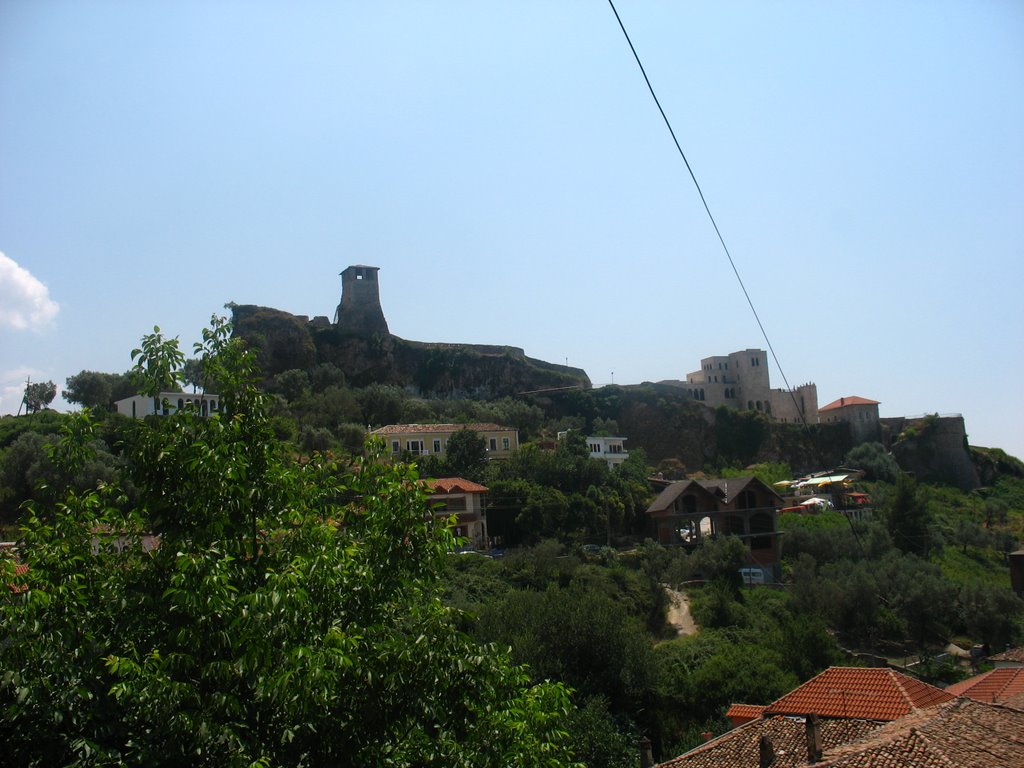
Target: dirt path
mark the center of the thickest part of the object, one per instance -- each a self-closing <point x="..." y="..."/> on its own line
<point x="679" y="612"/>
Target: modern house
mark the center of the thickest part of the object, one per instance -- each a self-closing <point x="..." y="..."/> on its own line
<point x="687" y="512"/>
<point x="610" y="450"/>
<point x="427" y="439"/>
<point x="140" y="406"/>
<point x="464" y="499"/>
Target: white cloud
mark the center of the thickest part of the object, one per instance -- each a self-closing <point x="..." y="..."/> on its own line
<point x="25" y="303"/>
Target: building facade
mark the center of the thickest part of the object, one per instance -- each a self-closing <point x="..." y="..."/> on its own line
<point x="428" y="439"/>
<point x="140" y="406"/>
<point x="859" y="412"/>
<point x="688" y="512"/>
<point x="466" y="501"/>
<point x="740" y="380"/>
<point x="611" y="450"/>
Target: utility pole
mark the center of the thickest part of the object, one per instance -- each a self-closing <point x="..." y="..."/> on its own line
<point x="24" y="396"/>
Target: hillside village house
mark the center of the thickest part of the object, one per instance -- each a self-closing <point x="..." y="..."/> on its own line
<point x="850" y="717"/>
<point x="688" y="511"/>
<point x="859" y="412"/>
<point x="610" y="450"/>
<point x="140" y="406"/>
<point x="427" y="439"/>
<point x="464" y="499"/>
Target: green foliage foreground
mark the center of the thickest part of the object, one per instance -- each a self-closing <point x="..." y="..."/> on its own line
<point x="290" y="615"/>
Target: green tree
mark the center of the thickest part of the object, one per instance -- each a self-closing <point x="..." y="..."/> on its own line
<point x="466" y="454"/>
<point x="39" y="395"/>
<point x="91" y="389"/>
<point x="876" y="462"/>
<point x="291" y="614"/>
<point x="908" y="519"/>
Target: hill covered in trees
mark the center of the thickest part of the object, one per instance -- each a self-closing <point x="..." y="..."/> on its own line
<point x="267" y="528"/>
<point x="285" y="342"/>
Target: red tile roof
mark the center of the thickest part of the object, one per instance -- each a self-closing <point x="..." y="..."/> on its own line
<point x="453" y="485"/>
<point x="844" y="401"/>
<point x="20" y="569"/>
<point x="962" y="733"/>
<point x="997" y="685"/>
<point x="412" y="429"/>
<point x="740" y="747"/>
<point x="748" y="711"/>
<point x="875" y="693"/>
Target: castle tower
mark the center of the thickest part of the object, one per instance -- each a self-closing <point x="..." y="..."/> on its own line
<point x="359" y="309"/>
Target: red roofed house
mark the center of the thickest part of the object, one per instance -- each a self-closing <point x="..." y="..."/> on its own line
<point x="464" y="499"/>
<point x="850" y="717"/>
<point x="961" y="733"/>
<point x="738" y="714"/>
<point x="996" y="685"/>
<point x="859" y="412"/>
<point x="872" y="693"/>
<point x="689" y="511"/>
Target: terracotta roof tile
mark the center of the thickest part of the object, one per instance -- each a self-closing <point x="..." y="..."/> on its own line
<point x="739" y="748"/>
<point x="844" y="401"/>
<point x="873" y="693"/>
<point x="997" y="685"/>
<point x="961" y="733"/>
<point x="412" y="429"/>
<point x="454" y="485"/>
<point x="749" y="711"/>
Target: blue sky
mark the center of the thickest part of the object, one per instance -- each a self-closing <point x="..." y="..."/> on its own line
<point x="505" y="167"/>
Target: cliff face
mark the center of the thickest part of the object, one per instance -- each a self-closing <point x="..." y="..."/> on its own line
<point x="283" y="341"/>
<point x="685" y="436"/>
<point x="934" y="448"/>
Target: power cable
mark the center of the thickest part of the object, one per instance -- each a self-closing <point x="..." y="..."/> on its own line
<point x="707" y="208"/>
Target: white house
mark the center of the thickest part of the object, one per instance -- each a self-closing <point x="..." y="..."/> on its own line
<point x="140" y="406"/>
<point x="607" y="449"/>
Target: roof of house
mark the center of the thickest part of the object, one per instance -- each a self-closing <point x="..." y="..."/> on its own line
<point x="961" y="733"/>
<point x="724" y="490"/>
<point x="740" y="747"/>
<point x="842" y="402"/>
<point x="996" y="685"/>
<point x="749" y="711"/>
<point x="873" y="693"/>
<point x="408" y="429"/>
<point x="1012" y="654"/>
<point x="453" y="485"/>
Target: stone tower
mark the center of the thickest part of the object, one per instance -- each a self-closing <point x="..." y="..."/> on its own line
<point x="359" y="309"/>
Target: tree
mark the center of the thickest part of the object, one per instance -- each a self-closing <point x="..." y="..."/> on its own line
<point x="290" y="615"/>
<point x="908" y="519"/>
<point x="39" y="395"/>
<point x="91" y="389"/>
<point x="875" y="461"/>
<point x="466" y="454"/>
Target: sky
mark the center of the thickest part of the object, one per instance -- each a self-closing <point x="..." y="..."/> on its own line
<point x="505" y="167"/>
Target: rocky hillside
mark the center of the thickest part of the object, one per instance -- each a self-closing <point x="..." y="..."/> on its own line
<point x="284" y="341"/>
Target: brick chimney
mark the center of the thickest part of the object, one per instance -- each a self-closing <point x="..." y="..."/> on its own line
<point x="765" y="752"/>
<point x="813" y="731"/>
